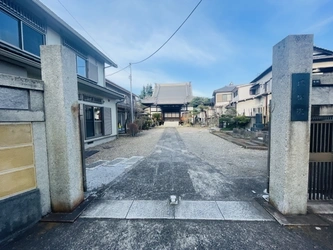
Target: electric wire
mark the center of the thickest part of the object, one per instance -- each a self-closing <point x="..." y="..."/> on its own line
<point x="170" y="36"/>
<point x="141" y="61"/>
<point x="117" y="71"/>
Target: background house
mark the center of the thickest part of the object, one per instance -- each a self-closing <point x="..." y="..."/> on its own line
<point x="222" y="98"/>
<point x="241" y="94"/>
<point x="254" y="99"/>
<point x="124" y="106"/>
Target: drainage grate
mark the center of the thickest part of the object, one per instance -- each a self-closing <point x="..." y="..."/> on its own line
<point x="89" y="153"/>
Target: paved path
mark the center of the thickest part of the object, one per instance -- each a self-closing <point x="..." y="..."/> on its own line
<point x="217" y="181"/>
<point x="205" y="191"/>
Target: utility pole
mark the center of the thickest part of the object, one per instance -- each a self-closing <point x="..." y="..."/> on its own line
<point x="130" y="77"/>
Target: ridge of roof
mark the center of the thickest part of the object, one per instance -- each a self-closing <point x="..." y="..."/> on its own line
<point x="227" y="88"/>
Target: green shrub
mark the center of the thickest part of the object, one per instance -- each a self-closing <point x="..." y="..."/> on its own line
<point x="241" y="121"/>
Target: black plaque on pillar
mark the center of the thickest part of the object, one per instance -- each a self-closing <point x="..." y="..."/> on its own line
<point x="300" y="96"/>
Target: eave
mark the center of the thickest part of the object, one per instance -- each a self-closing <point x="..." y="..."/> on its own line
<point x="97" y="90"/>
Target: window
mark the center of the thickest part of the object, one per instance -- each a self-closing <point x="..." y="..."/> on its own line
<point x="12" y="30"/>
<point x="236" y="93"/>
<point x="94" y="121"/>
<point x="223" y="97"/>
<point x="226" y="97"/>
<point x="32" y="40"/>
<point x="81" y="66"/>
<point x="9" y="31"/>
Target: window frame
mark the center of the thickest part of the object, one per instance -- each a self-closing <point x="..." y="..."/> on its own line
<point x="21" y="34"/>
<point x="79" y="56"/>
<point x="101" y="121"/>
<point x="225" y="96"/>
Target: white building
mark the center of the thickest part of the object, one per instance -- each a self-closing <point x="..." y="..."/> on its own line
<point x="25" y="25"/>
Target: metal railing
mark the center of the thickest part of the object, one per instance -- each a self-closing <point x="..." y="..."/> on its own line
<point x="320" y="185"/>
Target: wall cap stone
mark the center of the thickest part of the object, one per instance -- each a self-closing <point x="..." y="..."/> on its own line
<point x="21" y="82"/>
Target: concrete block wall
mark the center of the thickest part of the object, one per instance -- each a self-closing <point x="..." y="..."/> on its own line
<point x="23" y="155"/>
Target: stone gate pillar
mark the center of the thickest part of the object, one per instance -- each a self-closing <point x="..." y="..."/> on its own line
<point x="290" y="124"/>
<point x="62" y="127"/>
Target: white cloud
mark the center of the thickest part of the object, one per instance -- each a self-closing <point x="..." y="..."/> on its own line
<point x="320" y="25"/>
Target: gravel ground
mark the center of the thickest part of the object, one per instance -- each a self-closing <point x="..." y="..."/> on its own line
<point x="233" y="160"/>
<point x="127" y="146"/>
<point x="193" y="161"/>
<point x="178" y="166"/>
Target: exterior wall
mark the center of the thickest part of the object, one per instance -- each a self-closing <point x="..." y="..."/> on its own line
<point x="114" y="123"/>
<point x="245" y="107"/>
<point x="244" y="92"/>
<point x="11" y="69"/>
<point x="262" y="81"/>
<point x="322" y="64"/>
<point x="52" y="37"/>
<point x="101" y="73"/>
<point x="23" y="155"/>
<point x="221" y="103"/>
<point x="259" y="104"/>
<point x="220" y="107"/>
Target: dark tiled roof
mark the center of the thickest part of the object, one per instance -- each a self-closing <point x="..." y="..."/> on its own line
<point x="228" y="88"/>
<point x="171" y="93"/>
<point x="317" y="50"/>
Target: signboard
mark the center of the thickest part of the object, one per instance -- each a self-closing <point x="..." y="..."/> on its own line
<point x="300" y="96"/>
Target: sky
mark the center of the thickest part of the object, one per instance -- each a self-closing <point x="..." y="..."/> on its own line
<point x="223" y="41"/>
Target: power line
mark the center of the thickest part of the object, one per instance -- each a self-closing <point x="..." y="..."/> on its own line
<point x="170" y="36"/>
<point x="82" y="27"/>
<point x="117" y="71"/>
<point x="163" y="43"/>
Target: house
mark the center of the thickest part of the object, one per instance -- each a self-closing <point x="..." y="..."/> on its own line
<point x="25" y="25"/>
<point x="221" y="98"/>
<point x="241" y="94"/>
<point x="257" y="100"/>
<point x="124" y="106"/>
<point x="40" y="167"/>
<point x="171" y="100"/>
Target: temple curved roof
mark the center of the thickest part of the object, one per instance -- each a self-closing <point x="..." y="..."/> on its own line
<point x="170" y="94"/>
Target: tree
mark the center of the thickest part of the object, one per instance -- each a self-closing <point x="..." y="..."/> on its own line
<point x="196" y="101"/>
<point x="156" y="116"/>
<point x="149" y="90"/>
<point x="143" y="93"/>
<point x="146" y="91"/>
